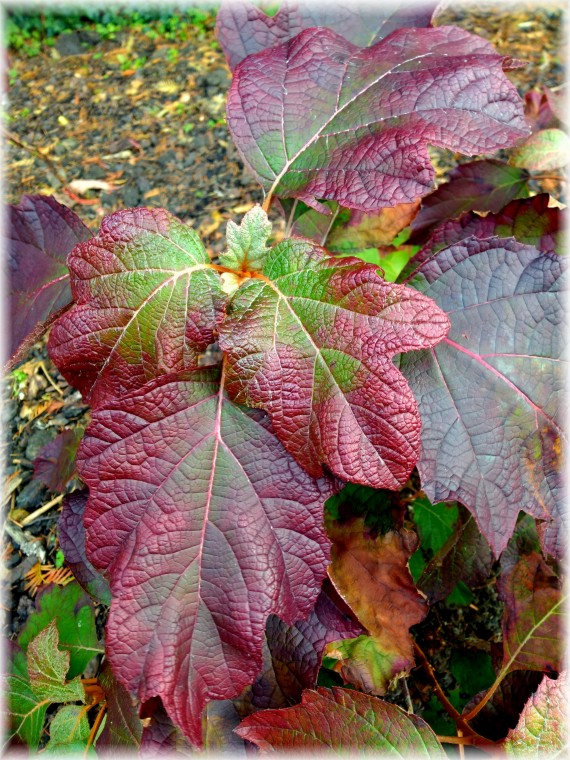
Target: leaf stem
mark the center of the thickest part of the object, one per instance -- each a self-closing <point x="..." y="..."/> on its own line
<point x="95" y="727"/>
<point x="458" y="719"/>
<point x="267" y="202"/>
<point x="39" y="512"/>
<point x="290" y="220"/>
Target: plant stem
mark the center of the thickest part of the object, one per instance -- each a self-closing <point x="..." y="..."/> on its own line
<point x="95" y="727"/>
<point x="458" y="719"/>
<point x="55" y="169"/>
<point x="290" y="220"/>
<point x="329" y="228"/>
<point x="267" y="202"/>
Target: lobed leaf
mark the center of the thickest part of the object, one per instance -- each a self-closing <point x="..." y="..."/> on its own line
<point x="292" y="655"/>
<point x="48" y="667"/>
<point x="542" y="728"/>
<point x="319" y="118"/>
<point x="341" y="720"/>
<point x="41" y="233"/>
<point x="71" y="535"/>
<point x="489" y="394"/>
<point x="205" y="526"/>
<point x="311" y="342"/>
<point x="54" y="465"/>
<point x="133" y="318"/>
<point x="243" y="29"/>
<point x="476" y="186"/>
<point x="372" y="576"/>
<point x="73" y="614"/>
<point x="529" y="220"/>
<point x="533" y="618"/>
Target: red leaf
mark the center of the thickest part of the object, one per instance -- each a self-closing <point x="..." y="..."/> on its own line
<point x="490" y="394"/>
<point x="341" y="720"/>
<point x="54" y="465"/>
<point x="311" y="342"/>
<point x="41" y="234"/>
<point x="318" y="118"/>
<point x="132" y="319"/>
<point x="123" y="727"/>
<point x="243" y="28"/>
<point x="205" y="526"/>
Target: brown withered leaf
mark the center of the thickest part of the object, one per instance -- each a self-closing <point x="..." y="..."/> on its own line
<point x="371" y="574"/>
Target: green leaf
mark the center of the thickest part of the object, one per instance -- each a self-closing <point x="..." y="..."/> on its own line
<point x="543" y="151"/>
<point x="543" y="725"/>
<point x="26" y="710"/>
<point x="364" y="663"/>
<point x="73" y="613"/>
<point x="435" y="522"/>
<point x="69" y="730"/>
<point x="247" y="241"/>
<point x="473" y="670"/>
<point x="48" y="666"/>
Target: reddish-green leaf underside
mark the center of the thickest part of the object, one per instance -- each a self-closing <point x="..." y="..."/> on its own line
<point x="146" y="303"/>
<point x="490" y="394"/>
<point x="311" y="341"/>
<point x="41" y="233"/>
<point x="205" y="526"/>
<point x="319" y="118"/>
<point x="243" y="29"/>
<point x="341" y="720"/>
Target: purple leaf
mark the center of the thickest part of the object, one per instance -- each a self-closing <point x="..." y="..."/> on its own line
<point x="311" y="341"/>
<point x="132" y="318"/>
<point x="319" y="118"/>
<point x="54" y="465"/>
<point x="71" y="534"/>
<point x="476" y="186"/>
<point x="541" y="109"/>
<point x="293" y="655"/>
<point x="160" y="736"/>
<point x="41" y="234"/>
<point x="529" y="221"/>
<point x="205" y="526"/>
<point x="242" y="28"/>
<point x="489" y="394"/>
<point x="123" y="727"/>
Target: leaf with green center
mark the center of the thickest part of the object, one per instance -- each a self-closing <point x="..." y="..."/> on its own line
<point x="543" y="151"/>
<point x="476" y="186"/>
<point x="146" y="303"/>
<point x="205" y="526"/>
<point x="434" y="522"/>
<point x="543" y="725"/>
<point x="48" y="667"/>
<point x="371" y="574"/>
<point x="247" y="241"/>
<point x="533" y="619"/>
<point x="69" y="731"/>
<point x="243" y="28"/>
<point x="319" y="118"/>
<point x="41" y="233"/>
<point x="311" y="341"/>
<point x="341" y="720"/>
<point x="490" y="394"/>
<point x="73" y="614"/>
